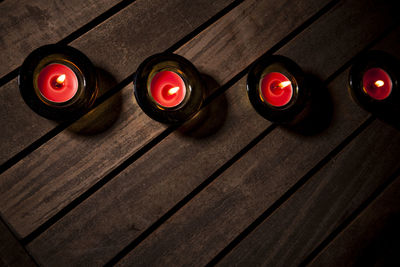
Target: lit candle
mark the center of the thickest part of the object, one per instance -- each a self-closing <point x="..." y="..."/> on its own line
<point x="276" y="89"/>
<point x="377" y="83"/>
<point x="374" y="84"/>
<point x="168" y="89"/>
<point x="57" y="83"/>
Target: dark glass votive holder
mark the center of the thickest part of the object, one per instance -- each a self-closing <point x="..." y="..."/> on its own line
<point x="58" y="82"/>
<point x="374" y="84"/>
<point x="168" y="88"/>
<point x="275" y="87"/>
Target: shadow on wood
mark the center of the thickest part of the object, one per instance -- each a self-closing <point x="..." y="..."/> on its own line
<point x="383" y="249"/>
<point x="103" y="116"/>
<point x="390" y="119"/>
<point x="211" y="117"/>
<point x="318" y="115"/>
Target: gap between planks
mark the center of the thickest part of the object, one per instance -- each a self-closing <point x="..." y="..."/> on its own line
<point x="77" y="33"/>
<point x="357" y="245"/>
<point x="169" y="130"/>
<point x="353" y="216"/>
<point x="248" y="230"/>
<point x="111" y="92"/>
<point x="369" y="120"/>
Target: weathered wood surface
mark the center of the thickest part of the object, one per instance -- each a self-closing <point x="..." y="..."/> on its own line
<point x="193" y="145"/>
<point x="328" y="197"/>
<point x="234" y="190"/>
<point x="117" y="48"/>
<point x="220" y="212"/>
<point x="26" y="25"/>
<point x="150" y="195"/>
<point x="11" y="252"/>
<point x="287" y="237"/>
<point x="121" y="63"/>
<point x="372" y="239"/>
<point x="87" y="160"/>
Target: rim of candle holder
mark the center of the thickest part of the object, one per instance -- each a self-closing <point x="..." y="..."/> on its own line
<point x="287" y="67"/>
<point x="58" y="54"/>
<point x="194" y="95"/>
<point x="369" y="60"/>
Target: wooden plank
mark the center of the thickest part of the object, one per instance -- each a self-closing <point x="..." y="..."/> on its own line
<point x="338" y="172"/>
<point x="300" y="224"/>
<point x="210" y="141"/>
<point x="224" y="209"/>
<point x="11" y="252"/>
<point x="372" y="238"/>
<point x="34" y="191"/>
<point x="26" y="25"/>
<point x="117" y="47"/>
<point x="140" y="195"/>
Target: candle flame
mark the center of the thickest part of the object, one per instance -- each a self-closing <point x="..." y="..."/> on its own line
<point x="379" y="83"/>
<point x="173" y="90"/>
<point x="60" y="79"/>
<point x="284" y="84"/>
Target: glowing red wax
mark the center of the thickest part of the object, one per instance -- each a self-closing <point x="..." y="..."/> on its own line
<point x="54" y="90"/>
<point x="276" y="89"/>
<point x="377" y="83"/>
<point x="168" y="89"/>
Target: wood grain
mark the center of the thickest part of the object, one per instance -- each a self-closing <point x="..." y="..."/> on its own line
<point x="195" y="147"/>
<point x="299" y="225"/>
<point x="151" y="185"/>
<point x="117" y="47"/>
<point x="26" y="25"/>
<point x="312" y="226"/>
<point x="326" y="200"/>
<point x="372" y="238"/>
<point x="11" y="252"/>
<point x="140" y="195"/>
<point x="34" y="191"/>
<point x="221" y="211"/>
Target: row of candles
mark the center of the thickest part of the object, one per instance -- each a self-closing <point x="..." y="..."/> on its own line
<point x="60" y="82"/>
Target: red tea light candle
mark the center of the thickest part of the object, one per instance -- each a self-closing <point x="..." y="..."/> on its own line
<point x="276" y="89"/>
<point x="377" y="83"/>
<point x="374" y="84"/>
<point x="168" y="89"/>
<point x="57" y="83"/>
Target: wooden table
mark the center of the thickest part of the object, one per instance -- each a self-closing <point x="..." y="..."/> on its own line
<point x="116" y="187"/>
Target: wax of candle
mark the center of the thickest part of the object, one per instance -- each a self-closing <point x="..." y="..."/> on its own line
<point x="57" y="83"/>
<point x="168" y="89"/>
<point x="276" y="89"/>
<point x="377" y="83"/>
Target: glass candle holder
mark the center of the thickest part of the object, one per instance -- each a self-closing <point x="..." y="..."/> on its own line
<point x="168" y="88"/>
<point x="374" y="83"/>
<point x="276" y="89"/>
<point x="58" y="82"/>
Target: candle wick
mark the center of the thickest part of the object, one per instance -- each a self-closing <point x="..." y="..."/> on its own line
<point x="59" y="82"/>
